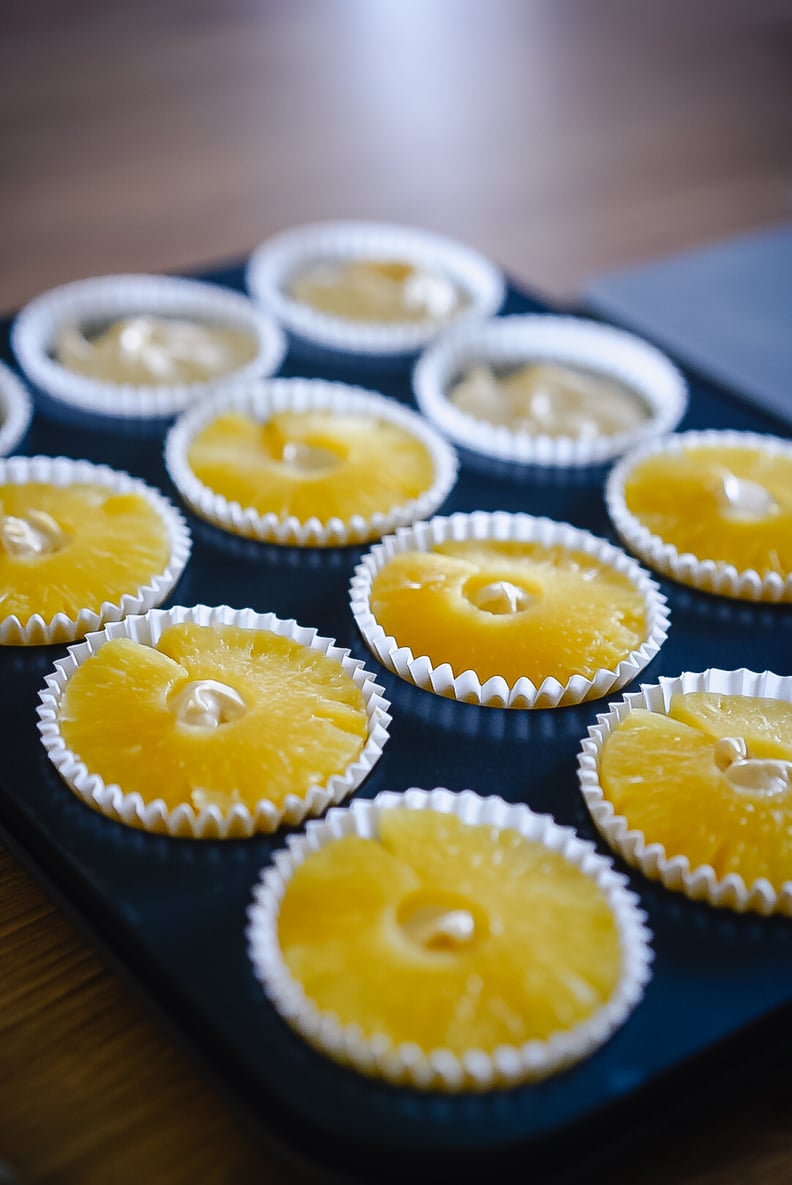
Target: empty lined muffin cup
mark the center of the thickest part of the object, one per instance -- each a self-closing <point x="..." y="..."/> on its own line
<point x="370" y="288"/>
<point x="142" y="346"/>
<point x="711" y="509"/>
<point x="16" y="410"/>
<point x="550" y="391"/>
<point x="507" y="610"/>
<point x="365" y="927"/>
<point x="81" y="545"/>
<point x="211" y="722"/>
<point x="308" y="463"/>
<point x="690" y="781"/>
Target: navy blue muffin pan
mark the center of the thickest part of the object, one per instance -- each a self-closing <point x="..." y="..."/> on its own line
<point x="171" y="913"/>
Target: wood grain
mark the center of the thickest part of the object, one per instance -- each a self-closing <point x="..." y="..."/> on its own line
<point x="559" y="136"/>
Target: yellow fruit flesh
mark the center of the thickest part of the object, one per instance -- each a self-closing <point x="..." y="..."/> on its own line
<point x="543" y="957"/>
<point x="364" y="466"/>
<point x="765" y="724"/>
<point x="111" y="544"/>
<point x="661" y="773"/>
<point x="680" y="498"/>
<point x="580" y="615"/>
<point x="304" y="718"/>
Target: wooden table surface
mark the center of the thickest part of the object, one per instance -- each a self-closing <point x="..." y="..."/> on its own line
<point x="561" y="137"/>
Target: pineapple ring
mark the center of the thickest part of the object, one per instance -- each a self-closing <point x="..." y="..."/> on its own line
<point x="712" y="510"/>
<point x="310" y="463"/>
<point x="507" y="610"/>
<point x="445" y="940"/>
<point x="431" y="603"/>
<point x="209" y="722"/>
<point x="691" y="782"/>
<point x="80" y="544"/>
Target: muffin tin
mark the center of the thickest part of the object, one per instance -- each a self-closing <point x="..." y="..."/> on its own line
<point x="171" y="912"/>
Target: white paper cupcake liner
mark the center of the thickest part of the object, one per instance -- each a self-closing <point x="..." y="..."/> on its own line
<point x="509" y="342"/>
<point x="16" y="410"/>
<point x="266" y="399"/>
<point x="700" y="883"/>
<point x="274" y="262"/>
<point x="210" y="822"/>
<point x="373" y="1054"/>
<point x="108" y="298"/>
<point x="62" y="471"/>
<point x="713" y="576"/>
<point x="496" y="691"/>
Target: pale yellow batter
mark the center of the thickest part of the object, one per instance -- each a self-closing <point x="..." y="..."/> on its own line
<point x="547" y="399"/>
<point x="154" y="351"/>
<point x="377" y="290"/>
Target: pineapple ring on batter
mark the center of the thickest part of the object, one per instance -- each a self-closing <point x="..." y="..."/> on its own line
<point x="691" y="781"/>
<point x="305" y="462"/>
<point x="710" y="509"/>
<point x="81" y="544"/>
<point x="507" y="610"/>
<point x="448" y="941"/>
<point x="211" y="722"/>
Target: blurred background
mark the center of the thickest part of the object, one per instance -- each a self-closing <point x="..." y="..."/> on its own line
<point x="560" y="137"/>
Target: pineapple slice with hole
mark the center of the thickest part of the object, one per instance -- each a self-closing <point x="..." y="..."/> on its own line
<point x="731" y="505"/>
<point x="213" y="715"/>
<point x="312" y="464"/>
<point x="764" y="723"/>
<point x="510" y="609"/>
<point x="67" y="548"/>
<point x="711" y="781"/>
<point x="449" y="935"/>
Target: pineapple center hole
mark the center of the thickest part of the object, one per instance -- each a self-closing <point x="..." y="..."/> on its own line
<point x="439" y="921"/>
<point x="499" y="596"/>
<point x="308" y="458"/>
<point x="755" y="776"/>
<point x="741" y="498"/>
<point x="206" y="703"/>
<point x="37" y="533"/>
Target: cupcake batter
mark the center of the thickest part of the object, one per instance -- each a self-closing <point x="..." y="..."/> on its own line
<point x="548" y="399"/>
<point x="377" y="290"/>
<point x="153" y="351"/>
